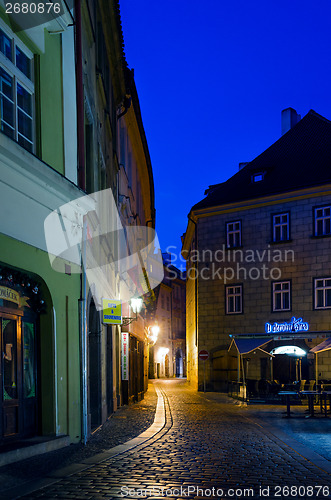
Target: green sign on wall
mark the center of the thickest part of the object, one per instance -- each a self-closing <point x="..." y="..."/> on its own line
<point x="111" y="312"/>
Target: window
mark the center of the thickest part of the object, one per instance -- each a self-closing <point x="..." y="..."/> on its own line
<point x="233" y="234"/>
<point x="258" y="177"/>
<point x="322" y="221"/>
<point x="234" y="299"/>
<point x="16" y="91"/>
<point x="281" y="293"/>
<point x="322" y="293"/>
<point x="281" y="227"/>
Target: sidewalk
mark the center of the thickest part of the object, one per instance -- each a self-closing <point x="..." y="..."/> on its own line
<point x="308" y="436"/>
<point x="126" y="423"/>
<point x="196" y="439"/>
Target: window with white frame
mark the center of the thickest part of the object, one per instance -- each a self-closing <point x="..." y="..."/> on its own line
<point x="322" y="221"/>
<point x="233" y="234"/>
<point x="322" y="293"/>
<point x="234" y="299"/>
<point x="16" y="90"/>
<point x="281" y="227"/>
<point x="281" y="296"/>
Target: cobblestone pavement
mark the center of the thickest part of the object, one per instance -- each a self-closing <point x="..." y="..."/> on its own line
<point x="205" y="449"/>
<point x="126" y="423"/>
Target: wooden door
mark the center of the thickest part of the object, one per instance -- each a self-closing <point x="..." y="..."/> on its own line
<point x="11" y="373"/>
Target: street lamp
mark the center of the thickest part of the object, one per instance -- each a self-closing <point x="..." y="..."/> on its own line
<point x="153" y="332"/>
<point x="136" y="304"/>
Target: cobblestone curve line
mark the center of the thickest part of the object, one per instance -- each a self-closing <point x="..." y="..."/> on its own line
<point x="162" y="424"/>
<point x="201" y="445"/>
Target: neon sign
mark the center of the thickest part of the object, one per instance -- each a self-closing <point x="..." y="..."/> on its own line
<point x="295" y="325"/>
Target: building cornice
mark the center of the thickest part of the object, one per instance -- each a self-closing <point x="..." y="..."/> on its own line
<point x="262" y="201"/>
<point x="250" y="204"/>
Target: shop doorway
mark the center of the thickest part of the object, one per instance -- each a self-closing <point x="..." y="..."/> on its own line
<point x="288" y="369"/>
<point x="94" y="366"/>
<point x="19" y="393"/>
<point x="179" y="363"/>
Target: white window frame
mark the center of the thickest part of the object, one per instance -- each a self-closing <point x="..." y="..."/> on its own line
<point x="282" y="292"/>
<point x="234" y="232"/>
<point x="281" y="225"/>
<point x="19" y="78"/>
<point x="322" y="218"/>
<point x="325" y="287"/>
<point x="232" y="292"/>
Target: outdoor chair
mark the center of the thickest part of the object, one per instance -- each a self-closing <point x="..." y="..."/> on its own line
<point x="310" y="385"/>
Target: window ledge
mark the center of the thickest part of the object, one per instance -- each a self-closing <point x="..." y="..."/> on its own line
<point x="281" y="311"/>
<point x="282" y="242"/>
<point x="319" y="237"/>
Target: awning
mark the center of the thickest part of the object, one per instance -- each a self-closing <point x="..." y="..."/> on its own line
<point x="323" y="346"/>
<point x="244" y="346"/>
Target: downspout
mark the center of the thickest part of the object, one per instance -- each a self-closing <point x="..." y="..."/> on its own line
<point x="83" y="337"/>
<point x="55" y="373"/>
<point x="80" y="96"/>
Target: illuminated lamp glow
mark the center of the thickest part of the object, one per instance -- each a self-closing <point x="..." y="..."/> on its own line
<point x="291" y="350"/>
<point x="163" y="351"/>
<point x="155" y="330"/>
<point x="136" y="304"/>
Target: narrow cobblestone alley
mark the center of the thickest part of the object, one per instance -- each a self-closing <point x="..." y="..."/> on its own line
<point x="201" y="448"/>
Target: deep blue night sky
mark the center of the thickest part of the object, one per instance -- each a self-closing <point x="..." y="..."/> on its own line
<point x="212" y="79"/>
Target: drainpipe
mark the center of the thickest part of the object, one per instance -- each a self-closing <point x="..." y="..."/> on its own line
<point x="55" y="372"/>
<point x="80" y="96"/>
<point x="83" y="337"/>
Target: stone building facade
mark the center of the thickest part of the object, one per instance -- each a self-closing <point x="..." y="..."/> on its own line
<point x="70" y="129"/>
<point x="258" y="265"/>
<point x="168" y="355"/>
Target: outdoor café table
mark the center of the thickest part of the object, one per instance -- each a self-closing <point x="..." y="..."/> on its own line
<point x="288" y="394"/>
<point x="310" y="395"/>
<point x="324" y="396"/>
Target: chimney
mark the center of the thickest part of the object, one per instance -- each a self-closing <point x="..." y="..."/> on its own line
<point x="289" y="118"/>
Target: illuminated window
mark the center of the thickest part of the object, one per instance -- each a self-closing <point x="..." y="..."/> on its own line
<point x="323" y="221"/>
<point x="234" y="300"/>
<point x="258" y="177"/>
<point x="233" y="234"/>
<point x="281" y="227"/>
<point x="16" y="91"/>
<point x="322" y="293"/>
<point x="281" y="292"/>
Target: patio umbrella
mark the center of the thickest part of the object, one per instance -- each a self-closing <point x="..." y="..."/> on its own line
<point x="244" y="346"/>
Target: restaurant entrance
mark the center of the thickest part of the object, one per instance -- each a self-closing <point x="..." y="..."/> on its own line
<point x="19" y="395"/>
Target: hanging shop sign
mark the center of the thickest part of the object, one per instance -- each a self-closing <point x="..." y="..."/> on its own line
<point x="125" y="355"/>
<point x="111" y="312"/>
<point x="13" y="296"/>
<point x="294" y="326"/>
